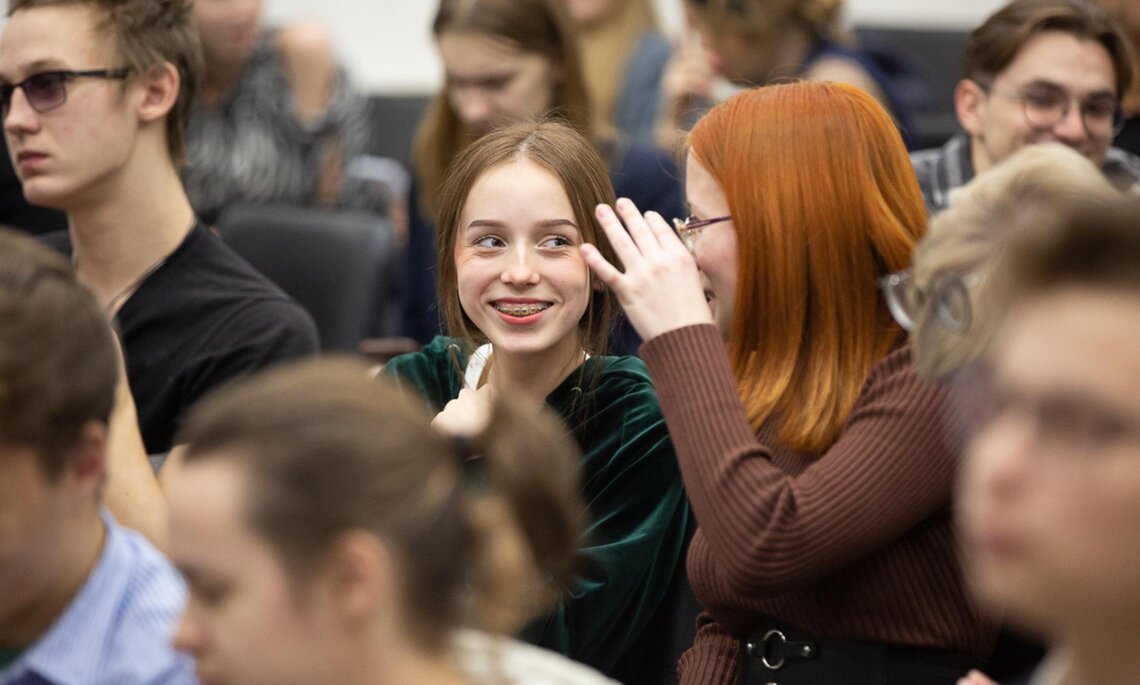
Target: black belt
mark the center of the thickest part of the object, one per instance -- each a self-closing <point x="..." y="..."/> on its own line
<point x="778" y="654"/>
<point x="774" y="648"/>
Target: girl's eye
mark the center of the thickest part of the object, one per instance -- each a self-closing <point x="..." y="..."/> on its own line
<point x="488" y="241"/>
<point x="557" y="241"/>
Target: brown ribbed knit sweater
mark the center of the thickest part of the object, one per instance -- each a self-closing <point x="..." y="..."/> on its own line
<point x="854" y="543"/>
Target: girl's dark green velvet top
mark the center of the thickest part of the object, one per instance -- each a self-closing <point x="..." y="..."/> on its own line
<point x="639" y="515"/>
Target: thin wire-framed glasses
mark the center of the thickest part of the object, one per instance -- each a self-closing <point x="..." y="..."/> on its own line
<point x="1044" y="107"/>
<point x="47" y="90"/>
<point x="947" y="293"/>
<point x="690" y="227"/>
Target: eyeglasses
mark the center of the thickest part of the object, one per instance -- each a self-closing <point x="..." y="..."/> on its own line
<point x="948" y="293"/>
<point x="1045" y="107"/>
<point x="690" y="227"/>
<point x="1064" y="425"/>
<point x="47" y="90"/>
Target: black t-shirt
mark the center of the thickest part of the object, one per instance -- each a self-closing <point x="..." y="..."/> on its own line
<point x="17" y="212"/>
<point x="203" y="318"/>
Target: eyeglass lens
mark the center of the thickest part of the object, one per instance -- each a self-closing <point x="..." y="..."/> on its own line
<point x="904" y="298"/>
<point x="44" y="91"/>
<point x="1046" y="108"/>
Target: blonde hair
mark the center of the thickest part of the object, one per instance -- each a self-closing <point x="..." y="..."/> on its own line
<point x="606" y="50"/>
<point x="1030" y="187"/>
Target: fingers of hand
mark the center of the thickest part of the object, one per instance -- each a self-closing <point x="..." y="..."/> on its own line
<point x="666" y="237"/>
<point x="605" y="271"/>
<point x="621" y="241"/>
<point x="636" y="224"/>
<point x="467" y="414"/>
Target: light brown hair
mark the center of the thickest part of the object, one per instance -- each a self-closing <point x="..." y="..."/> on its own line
<point x="814" y="232"/>
<point x="575" y="162"/>
<point x="488" y="524"/>
<point x="540" y="27"/>
<point x="768" y="18"/>
<point x="1094" y="244"/>
<point x="147" y="33"/>
<point x="58" y="360"/>
<point x="997" y="42"/>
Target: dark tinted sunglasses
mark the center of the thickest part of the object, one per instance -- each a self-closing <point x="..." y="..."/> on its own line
<point x="48" y="89"/>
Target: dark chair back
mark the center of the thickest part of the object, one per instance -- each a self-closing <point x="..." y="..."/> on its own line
<point x="339" y="264"/>
<point x="936" y="54"/>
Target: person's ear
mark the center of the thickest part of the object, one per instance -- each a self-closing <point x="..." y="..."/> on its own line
<point x="359" y="577"/>
<point x="160" y="87"/>
<point x="88" y="462"/>
<point x="969" y="104"/>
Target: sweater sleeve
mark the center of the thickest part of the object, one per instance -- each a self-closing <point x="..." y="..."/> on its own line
<point x="634" y="544"/>
<point x="768" y="531"/>
<point x="714" y="658"/>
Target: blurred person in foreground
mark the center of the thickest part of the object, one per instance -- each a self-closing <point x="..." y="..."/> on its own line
<point x="82" y="598"/>
<point x="943" y="300"/>
<point x="330" y="535"/>
<point x="1049" y="499"/>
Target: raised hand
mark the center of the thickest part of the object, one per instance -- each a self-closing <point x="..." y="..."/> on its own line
<point x="467" y="415"/>
<point x="660" y="289"/>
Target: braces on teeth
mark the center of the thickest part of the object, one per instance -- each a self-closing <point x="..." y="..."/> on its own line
<point x="521" y="309"/>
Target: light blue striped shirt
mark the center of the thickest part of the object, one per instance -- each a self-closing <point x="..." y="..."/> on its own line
<point x="118" y="627"/>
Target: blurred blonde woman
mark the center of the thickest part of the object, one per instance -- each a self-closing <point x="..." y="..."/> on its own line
<point x="623" y="58"/>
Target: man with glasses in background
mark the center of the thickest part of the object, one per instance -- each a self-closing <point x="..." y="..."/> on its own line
<point x="1036" y="71"/>
<point x="94" y="95"/>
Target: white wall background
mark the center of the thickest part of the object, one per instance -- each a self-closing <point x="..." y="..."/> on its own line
<point x="387" y="43"/>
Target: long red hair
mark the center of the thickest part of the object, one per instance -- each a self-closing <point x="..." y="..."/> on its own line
<point x="824" y="202"/>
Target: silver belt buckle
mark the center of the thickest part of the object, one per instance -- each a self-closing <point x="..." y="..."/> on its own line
<point x="778" y="663"/>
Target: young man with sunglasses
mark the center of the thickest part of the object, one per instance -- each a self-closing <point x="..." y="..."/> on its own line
<point x="1036" y="71"/>
<point x="94" y="95"/>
